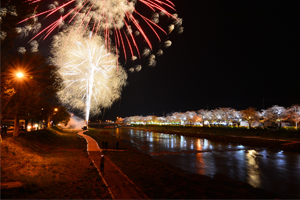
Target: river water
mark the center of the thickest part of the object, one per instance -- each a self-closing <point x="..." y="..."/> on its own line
<point x="272" y="170"/>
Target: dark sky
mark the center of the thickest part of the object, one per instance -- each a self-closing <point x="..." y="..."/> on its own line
<point x="232" y="54"/>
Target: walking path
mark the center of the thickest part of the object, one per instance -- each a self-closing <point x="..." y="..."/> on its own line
<point x="118" y="184"/>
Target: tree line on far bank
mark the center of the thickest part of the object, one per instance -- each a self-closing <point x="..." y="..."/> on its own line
<point x="273" y="116"/>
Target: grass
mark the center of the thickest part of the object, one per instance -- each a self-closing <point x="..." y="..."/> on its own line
<point x="50" y="165"/>
<point x="161" y="181"/>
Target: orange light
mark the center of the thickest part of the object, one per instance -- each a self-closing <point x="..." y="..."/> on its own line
<point x="55" y="109"/>
<point x="20" y="74"/>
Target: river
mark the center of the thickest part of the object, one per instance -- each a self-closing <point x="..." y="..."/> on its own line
<point x="272" y="170"/>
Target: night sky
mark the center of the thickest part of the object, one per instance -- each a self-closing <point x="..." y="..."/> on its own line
<point x="232" y="54"/>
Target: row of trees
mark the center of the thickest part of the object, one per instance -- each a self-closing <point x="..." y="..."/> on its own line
<point x="225" y="116"/>
<point x="28" y="82"/>
<point x="31" y="94"/>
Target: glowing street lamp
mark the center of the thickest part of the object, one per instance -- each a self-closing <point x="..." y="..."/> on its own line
<point x="20" y="75"/>
<point x="55" y="109"/>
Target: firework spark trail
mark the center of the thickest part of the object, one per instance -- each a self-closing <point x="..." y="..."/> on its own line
<point x="101" y="16"/>
<point x="89" y="73"/>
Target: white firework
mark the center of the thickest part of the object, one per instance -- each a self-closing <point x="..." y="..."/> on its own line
<point x="26" y="30"/>
<point x="178" y="22"/>
<point x="159" y="52"/>
<point x="138" y="68"/>
<point x="107" y="14"/>
<point x="34" y="46"/>
<point x="171" y="28"/>
<point x="152" y="61"/>
<point x="155" y="18"/>
<point x="180" y="30"/>
<point x="133" y="58"/>
<point x="92" y="80"/>
<point x="3" y="35"/>
<point x="167" y="43"/>
<point x="117" y="21"/>
<point x="21" y="50"/>
<point x="146" y="52"/>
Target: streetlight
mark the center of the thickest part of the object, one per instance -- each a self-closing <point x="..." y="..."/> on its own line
<point x="51" y="116"/>
<point x="20" y="75"/>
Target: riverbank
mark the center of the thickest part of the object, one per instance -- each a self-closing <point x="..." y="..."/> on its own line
<point x="53" y="164"/>
<point x="48" y="164"/>
<point x="159" y="180"/>
<point x="268" y="138"/>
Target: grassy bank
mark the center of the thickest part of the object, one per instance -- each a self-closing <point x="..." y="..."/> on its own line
<point x="161" y="181"/>
<point x="49" y="165"/>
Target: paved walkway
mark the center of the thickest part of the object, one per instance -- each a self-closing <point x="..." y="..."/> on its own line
<point x="118" y="184"/>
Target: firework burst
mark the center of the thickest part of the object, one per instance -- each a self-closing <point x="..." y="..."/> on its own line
<point x="90" y="74"/>
<point x="117" y="21"/>
<point x="87" y="48"/>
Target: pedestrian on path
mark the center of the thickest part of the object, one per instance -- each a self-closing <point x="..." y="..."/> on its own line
<point x="102" y="163"/>
<point x="117" y="145"/>
<point x="2" y="131"/>
<point x="5" y="130"/>
<point x="106" y="144"/>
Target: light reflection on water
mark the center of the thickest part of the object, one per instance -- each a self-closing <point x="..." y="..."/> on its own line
<point x="275" y="171"/>
<point x="253" y="168"/>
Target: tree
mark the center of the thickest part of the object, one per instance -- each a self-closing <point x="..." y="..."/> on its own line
<point x="119" y="120"/>
<point x="205" y="115"/>
<point x="190" y="117"/>
<point x="215" y="116"/>
<point x="278" y="113"/>
<point x="197" y="119"/>
<point x="60" y="115"/>
<point x="226" y="114"/>
<point x="35" y="89"/>
<point x="177" y="117"/>
<point x="294" y="114"/>
<point x="161" y="119"/>
<point x="236" y="117"/>
<point x="7" y="91"/>
<point x="250" y="114"/>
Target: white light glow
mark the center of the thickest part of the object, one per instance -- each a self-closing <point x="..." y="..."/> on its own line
<point x="91" y="76"/>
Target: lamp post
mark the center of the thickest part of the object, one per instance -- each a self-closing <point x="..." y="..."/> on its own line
<point x="55" y="110"/>
<point x="50" y="116"/>
<point x="19" y="77"/>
